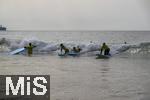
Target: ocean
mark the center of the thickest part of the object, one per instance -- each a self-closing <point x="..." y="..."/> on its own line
<point x="124" y="76"/>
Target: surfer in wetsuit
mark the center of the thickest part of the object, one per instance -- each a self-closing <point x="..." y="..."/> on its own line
<point x="62" y="47"/>
<point x="76" y="49"/>
<point x="105" y="48"/>
<point x="30" y="49"/>
<point x="2" y="41"/>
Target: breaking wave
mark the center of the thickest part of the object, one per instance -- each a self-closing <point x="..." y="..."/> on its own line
<point x="8" y="45"/>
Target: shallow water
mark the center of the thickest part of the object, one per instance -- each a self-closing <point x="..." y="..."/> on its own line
<point x="122" y="77"/>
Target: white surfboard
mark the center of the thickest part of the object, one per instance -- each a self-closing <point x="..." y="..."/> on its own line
<point x="17" y="51"/>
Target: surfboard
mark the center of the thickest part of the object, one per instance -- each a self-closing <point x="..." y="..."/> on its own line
<point x="62" y="55"/>
<point x="17" y="51"/>
<point x="68" y="54"/>
<point x="73" y="54"/>
<point x="99" y="56"/>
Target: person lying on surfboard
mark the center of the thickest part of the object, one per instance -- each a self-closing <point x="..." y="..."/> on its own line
<point x="62" y="47"/>
<point x="30" y="49"/>
<point x="105" y="49"/>
<point x="76" y="49"/>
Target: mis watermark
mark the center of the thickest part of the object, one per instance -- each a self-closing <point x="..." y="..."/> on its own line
<point x="25" y="87"/>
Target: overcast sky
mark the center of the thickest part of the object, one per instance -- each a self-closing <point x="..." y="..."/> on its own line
<point x="75" y="14"/>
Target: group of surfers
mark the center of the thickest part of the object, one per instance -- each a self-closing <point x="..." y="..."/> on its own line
<point x="104" y="49"/>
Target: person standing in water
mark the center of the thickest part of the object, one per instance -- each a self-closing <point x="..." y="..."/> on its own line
<point x="62" y="47"/>
<point x="105" y="48"/>
<point x="30" y="49"/>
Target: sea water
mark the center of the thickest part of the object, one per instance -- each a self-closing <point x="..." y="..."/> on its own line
<point x="125" y="76"/>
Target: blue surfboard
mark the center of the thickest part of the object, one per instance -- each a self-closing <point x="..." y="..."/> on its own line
<point x="68" y="54"/>
<point x="73" y="54"/>
<point x="17" y="51"/>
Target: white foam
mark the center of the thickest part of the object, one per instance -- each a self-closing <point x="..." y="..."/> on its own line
<point x="86" y="47"/>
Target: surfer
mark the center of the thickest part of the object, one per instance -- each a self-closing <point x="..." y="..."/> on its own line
<point x="30" y="49"/>
<point x="62" y="47"/>
<point x="105" y="48"/>
<point x="3" y="41"/>
<point x="76" y="49"/>
<point x="79" y="49"/>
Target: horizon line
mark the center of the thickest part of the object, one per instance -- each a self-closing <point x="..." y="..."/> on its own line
<point x="85" y="30"/>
